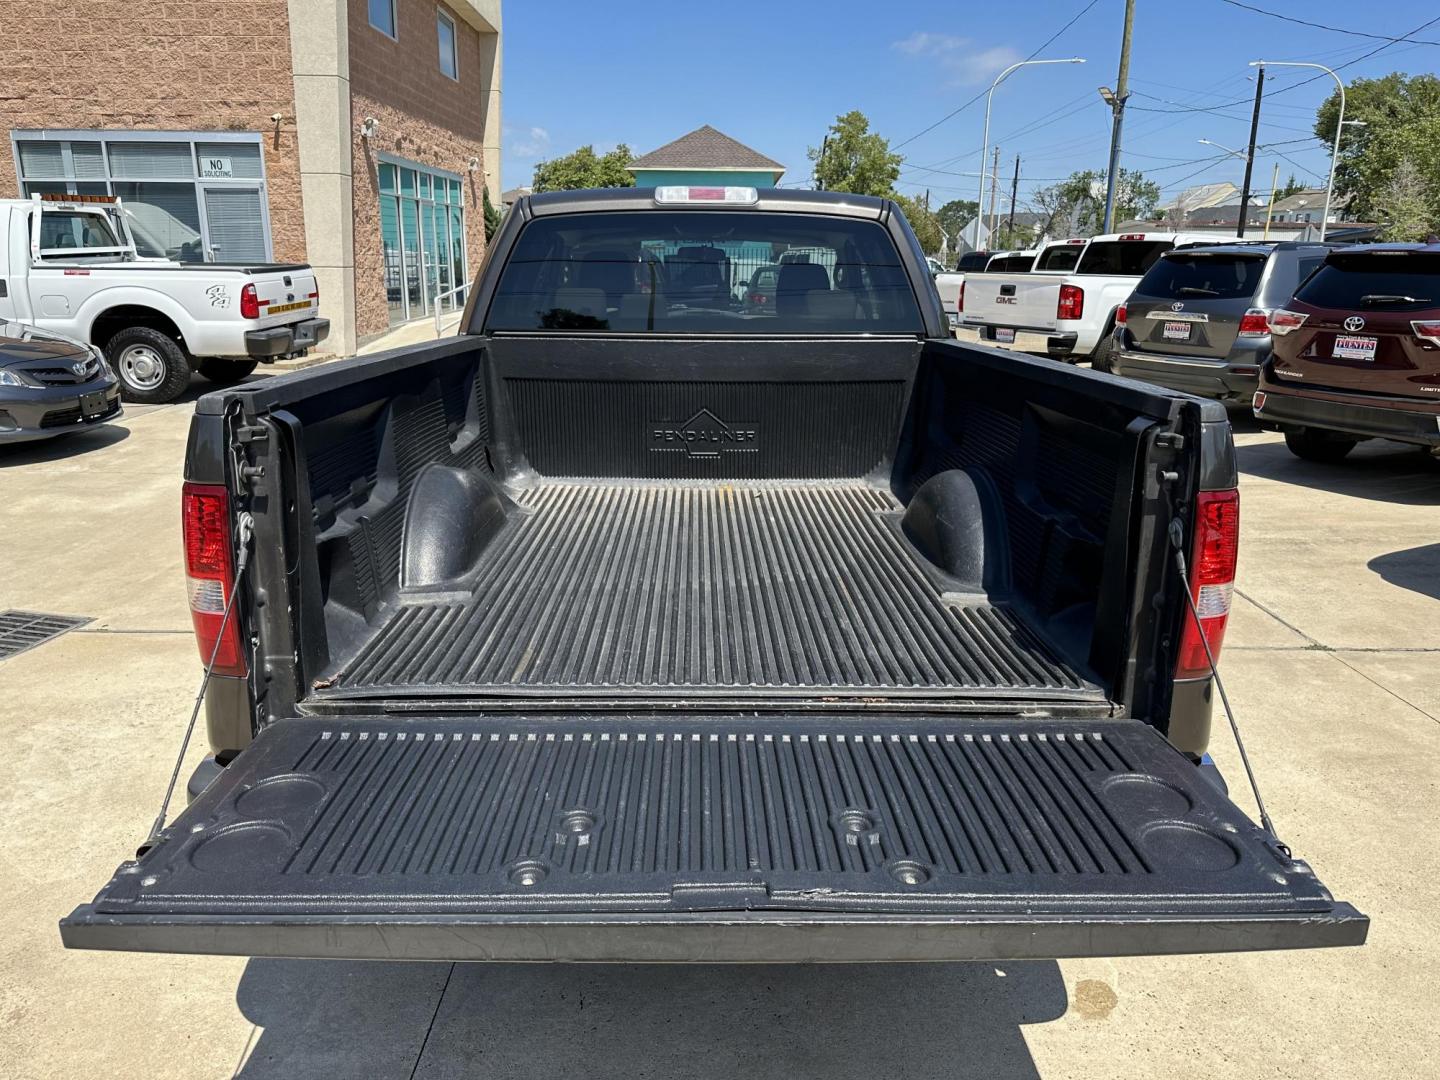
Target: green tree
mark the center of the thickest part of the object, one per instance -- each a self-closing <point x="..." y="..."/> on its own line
<point x="853" y="158"/>
<point x="1290" y="187"/>
<point x="927" y="228"/>
<point x="955" y="215"/>
<point x="1401" y="115"/>
<point x="1405" y="205"/>
<point x="492" y="216"/>
<point x="585" y="169"/>
<point x="1080" y="199"/>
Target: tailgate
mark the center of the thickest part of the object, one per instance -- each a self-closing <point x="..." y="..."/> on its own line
<point x="1021" y="301"/>
<point x="779" y="840"/>
<point x="285" y="297"/>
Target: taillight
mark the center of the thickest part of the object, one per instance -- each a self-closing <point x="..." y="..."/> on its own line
<point x="1072" y="302"/>
<point x="1426" y="329"/>
<point x="1283" y="322"/>
<point x="249" y="303"/>
<point x="960" y="298"/>
<point x="210" y="575"/>
<point x="1212" y="580"/>
<point x="1120" y="315"/>
<point x="1255" y="323"/>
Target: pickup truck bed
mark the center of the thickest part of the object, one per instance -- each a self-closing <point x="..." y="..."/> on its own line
<point x="744" y="645"/>
<point x="703" y="588"/>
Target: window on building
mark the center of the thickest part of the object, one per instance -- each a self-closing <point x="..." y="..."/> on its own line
<point x="449" y="62"/>
<point x="382" y="16"/>
<point x="190" y="198"/>
<point x="422" y="239"/>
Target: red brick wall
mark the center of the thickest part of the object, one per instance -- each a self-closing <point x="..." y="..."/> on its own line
<point x="425" y="117"/>
<point x="184" y="65"/>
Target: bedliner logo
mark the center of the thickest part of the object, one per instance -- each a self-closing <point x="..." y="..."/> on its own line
<point x="704" y="435"/>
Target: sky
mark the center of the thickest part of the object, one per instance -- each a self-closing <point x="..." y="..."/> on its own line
<point x="775" y="75"/>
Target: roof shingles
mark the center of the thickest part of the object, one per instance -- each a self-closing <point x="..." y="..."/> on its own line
<point x="705" y="148"/>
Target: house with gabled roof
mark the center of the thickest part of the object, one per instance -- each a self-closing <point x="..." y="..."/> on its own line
<point x="706" y="156"/>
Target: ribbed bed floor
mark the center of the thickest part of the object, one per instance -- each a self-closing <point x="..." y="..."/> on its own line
<point x="716" y="589"/>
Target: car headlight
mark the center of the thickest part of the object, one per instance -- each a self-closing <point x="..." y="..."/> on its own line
<point x="13" y="378"/>
<point x="99" y="354"/>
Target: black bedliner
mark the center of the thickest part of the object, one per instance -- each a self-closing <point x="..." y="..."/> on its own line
<point x="632" y="838"/>
<point x="706" y="588"/>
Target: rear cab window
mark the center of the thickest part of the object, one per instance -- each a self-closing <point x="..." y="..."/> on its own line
<point x="1203" y="276"/>
<point x="1121" y="257"/>
<point x="680" y="271"/>
<point x="1010" y="264"/>
<point x="972" y="260"/>
<point x="1061" y="257"/>
<point x="1375" y="280"/>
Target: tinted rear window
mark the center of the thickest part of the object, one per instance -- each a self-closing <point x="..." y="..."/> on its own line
<point x="1062" y="257"/>
<point x="687" y="271"/>
<point x="972" y="260"/>
<point x="1203" y="277"/>
<point x="1375" y="280"/>
<point x="1010" y="264"/>
<point x="1122" y="256"/>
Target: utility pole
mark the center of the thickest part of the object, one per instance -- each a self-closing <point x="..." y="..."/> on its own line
<point x="1014" y="194"/>
<point x="994" y="190"/>
<point x="1274" y="179"/>
<point x="1250" y="152"/>
<point x="1116" y="101"/>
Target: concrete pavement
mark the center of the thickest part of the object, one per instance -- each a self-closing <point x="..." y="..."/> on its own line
<point x="1333" y="661"/>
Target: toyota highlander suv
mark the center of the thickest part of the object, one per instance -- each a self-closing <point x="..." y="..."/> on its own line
<point x="1357" y="353"/>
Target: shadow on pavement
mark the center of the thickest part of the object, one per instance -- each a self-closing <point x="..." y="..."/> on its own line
<point x="1377" y="470"/>
<point x="1416" y="569"/>
<point x="61" y="446"/>
<point x="335" y="1018"/>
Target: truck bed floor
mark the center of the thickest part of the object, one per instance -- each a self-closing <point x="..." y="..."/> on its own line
<point x="716" y="589"/>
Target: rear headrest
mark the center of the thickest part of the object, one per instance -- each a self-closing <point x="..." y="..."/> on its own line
<point x="795" y="282"/>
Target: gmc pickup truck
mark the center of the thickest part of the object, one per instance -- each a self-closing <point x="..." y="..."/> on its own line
<point x="69" y="264"/>
<point x="1076" y="311"/>
<point x="627" y="627"/>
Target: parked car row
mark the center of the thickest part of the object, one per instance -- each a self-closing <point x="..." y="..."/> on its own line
<point x="1330" y="344"/>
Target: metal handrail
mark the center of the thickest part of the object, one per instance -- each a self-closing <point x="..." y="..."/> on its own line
<point x="435" y="307"/>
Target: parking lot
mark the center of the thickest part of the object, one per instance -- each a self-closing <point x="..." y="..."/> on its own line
<point x="1332" y="661"/>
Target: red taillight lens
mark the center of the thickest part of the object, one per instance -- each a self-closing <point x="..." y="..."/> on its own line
<point x="1120" y="315"/>
<point x="960" y="298"/>
<point x="1426" y="329"/>
<point x="210" y="575"/>
<point x="1283" y="322"/>
<point x="1212" y="580"/>
<point x="1072" y="302"/>
<point x="1255" y="323"/>
<point x="249" y="303"/>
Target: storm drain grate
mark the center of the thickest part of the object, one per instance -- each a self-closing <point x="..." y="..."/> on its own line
<point x="21" y="630"/>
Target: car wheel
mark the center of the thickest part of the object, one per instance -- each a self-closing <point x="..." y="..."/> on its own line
<point x="1103" y="358"/>
<point x="222" y="370"/>
<point x="1316" y="446"/>
<point x="152" y="367"/>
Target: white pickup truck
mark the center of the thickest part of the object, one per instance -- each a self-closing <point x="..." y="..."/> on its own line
<point x="1075" y="311"/>
<point x="69" y="264"/>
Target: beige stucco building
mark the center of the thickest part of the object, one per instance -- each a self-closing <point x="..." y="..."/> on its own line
<point x="356" y="135"/>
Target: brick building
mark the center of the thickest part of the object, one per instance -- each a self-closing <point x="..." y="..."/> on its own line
<point x="355" y="135"/>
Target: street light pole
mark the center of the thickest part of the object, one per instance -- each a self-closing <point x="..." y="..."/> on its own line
<point x="1339" y="127"/>
<point x="985" y="142"/>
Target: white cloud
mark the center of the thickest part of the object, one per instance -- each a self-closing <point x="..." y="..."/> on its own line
<point x="962" y="61"/>
<point x="532" y="143"/>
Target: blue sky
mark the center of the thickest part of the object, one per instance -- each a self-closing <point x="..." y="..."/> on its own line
<point x="775" y="75"/>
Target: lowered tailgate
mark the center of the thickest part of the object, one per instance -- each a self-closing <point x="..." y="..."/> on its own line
<point x="612" y="838"/>
<point x="1016" y="301"/>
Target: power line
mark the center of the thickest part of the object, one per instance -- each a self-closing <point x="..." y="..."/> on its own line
<point x="1332" y="29"/>
<point x="956" y="112"/>
<point x="1363" y="56"/>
